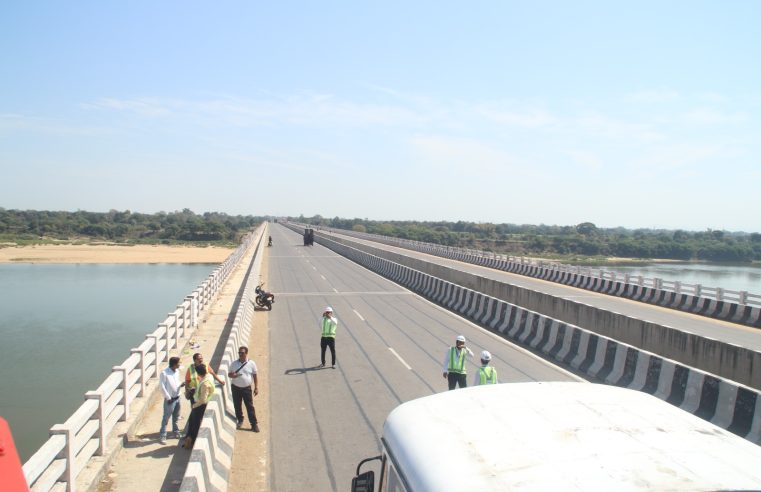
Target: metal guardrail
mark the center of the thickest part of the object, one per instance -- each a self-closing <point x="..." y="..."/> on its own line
<point x="58" y="462"/>
<point x="742" y="298"/>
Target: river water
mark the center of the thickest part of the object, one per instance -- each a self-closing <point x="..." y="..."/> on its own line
<point x="728" y="277"/>
<point x="63" y="327"/>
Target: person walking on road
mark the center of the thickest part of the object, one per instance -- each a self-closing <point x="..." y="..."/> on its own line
<point x="328" y="325"/>
<point x="192" y="378"/>
<point x="169" y="380"/>
<point x="243" y="373"/>
<point x="486" y="374"/>
<point x="454" y="364"/>
<point x="204" y="392"/>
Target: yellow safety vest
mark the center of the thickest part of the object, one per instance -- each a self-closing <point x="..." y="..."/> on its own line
<point x="488" y="375"/>
<point x="457" y="360"/>
<point x="329" y="327"/>
<point x="206" y="380"/>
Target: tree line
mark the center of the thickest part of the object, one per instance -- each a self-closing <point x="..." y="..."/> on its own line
<point x="29" y="226"/>
<point x="585" y="239"/>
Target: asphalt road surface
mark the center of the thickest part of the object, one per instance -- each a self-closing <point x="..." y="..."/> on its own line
<point x="741" y="335"/>
<point x="390" y="348"/>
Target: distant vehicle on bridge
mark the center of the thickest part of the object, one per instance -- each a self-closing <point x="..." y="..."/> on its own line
<point x="308" y="237"/>
<point x="555" y="436"/>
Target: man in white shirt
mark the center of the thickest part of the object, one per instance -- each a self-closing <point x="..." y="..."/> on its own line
<point x="243" y="373"/>
<point x="169" y="380"/>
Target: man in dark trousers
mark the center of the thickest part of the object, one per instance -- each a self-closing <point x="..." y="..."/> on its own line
<point x="243" y="373"/>
<point x="454" y="364"/>
<point x="328" y="325"/>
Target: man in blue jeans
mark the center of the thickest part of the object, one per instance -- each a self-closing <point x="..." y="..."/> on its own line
<point x="169" y="380"/>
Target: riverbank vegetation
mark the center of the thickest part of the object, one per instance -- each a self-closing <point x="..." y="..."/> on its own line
<point x="24" y="227"/>
<point x="582" y="241"/>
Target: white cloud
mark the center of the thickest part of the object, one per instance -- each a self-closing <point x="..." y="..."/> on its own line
<point x="529" y="118"/>
<point x="599" y="125"/>
<point x="709" y="116"/>
<point x="585" y="159"/>
<point x="454" y="154"/>
<point x="11" y="122"/>
<point x="655" y="96"/>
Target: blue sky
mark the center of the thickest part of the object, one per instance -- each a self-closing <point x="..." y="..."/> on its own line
<point x="644" y="114"/>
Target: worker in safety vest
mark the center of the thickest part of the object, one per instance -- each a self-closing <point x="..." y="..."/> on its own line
<point x="454" y="364"/>
<point x="204" y="392"/>
<point x="328" y="325"/>
<point x="191" y="377"/>
<point x="486" y="374"/>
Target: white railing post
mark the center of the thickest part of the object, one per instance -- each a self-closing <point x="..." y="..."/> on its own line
<point x="67" y="453"/>
<point x="181" y="316"/>
<point x="719" y="294"/>
<point x="101" y="415"/>
<point x="166" y="341"/>
<point x="125" y="392"/>
<point x="742" y="297"/>
<point x="141" y="367"/>
<point x="193" y="298"/>
<point x="698" y="290"/>
<point x="678" y="287"/>
<point x="155" y="352"/>
<point x="174" y="318"/>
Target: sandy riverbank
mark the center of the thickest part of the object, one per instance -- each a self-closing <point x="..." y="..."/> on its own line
<point x="113" y="254"/>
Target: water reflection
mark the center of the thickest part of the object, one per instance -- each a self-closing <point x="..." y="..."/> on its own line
<point x="728" y="277"/>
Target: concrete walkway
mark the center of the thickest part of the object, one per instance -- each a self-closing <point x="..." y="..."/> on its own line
<point x="144" y="463"/>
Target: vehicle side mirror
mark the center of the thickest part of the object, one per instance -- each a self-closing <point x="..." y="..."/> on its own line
<point x="364" y="482"/>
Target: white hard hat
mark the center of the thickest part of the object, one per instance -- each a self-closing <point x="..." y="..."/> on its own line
<point x="460" y="338"/>
<point x="485" y="355"/>
<point x="328" y="310"/>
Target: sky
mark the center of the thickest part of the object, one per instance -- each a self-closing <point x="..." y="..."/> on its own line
<point x="636" y="114"/>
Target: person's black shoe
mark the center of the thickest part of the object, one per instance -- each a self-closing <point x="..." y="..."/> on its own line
<point x="322" y="365"/>
<point x="255" y="427"/>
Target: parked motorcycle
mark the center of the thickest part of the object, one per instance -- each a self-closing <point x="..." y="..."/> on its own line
<point x="270" y="242"/>
<point x="263" y="298"/>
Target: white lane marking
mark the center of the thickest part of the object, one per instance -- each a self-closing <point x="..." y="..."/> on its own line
<point x="400" y="359"/>
<point x="314" y="267"/>
<point x="358" y="315"/>
<point x="323" y="277"/>
<point x="335" y="290"/>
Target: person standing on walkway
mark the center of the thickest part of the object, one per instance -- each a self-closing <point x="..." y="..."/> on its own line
<point x="328" y="325"/>
<point x="192" y="378"/>
<point x="243" y="373"/>
<point x="204" y="392"/>
<point x="454" y="364"/>
<point x="169" y="380"/>
<point x="486" y="374"/>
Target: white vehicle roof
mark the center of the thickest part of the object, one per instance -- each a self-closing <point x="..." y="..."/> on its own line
<point x="562" y="436"/>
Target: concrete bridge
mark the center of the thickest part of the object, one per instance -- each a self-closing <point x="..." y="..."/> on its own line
<point x="399" y="307"/>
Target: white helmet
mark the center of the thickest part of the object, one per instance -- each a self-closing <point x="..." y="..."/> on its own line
<point x="485" y="355"/>
<point x="460" y="338"/>
<point x="328" y="310"/>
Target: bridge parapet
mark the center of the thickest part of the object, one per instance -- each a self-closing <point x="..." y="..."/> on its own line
<point x="84" y="435"/>
<point x="737" y="306"/>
